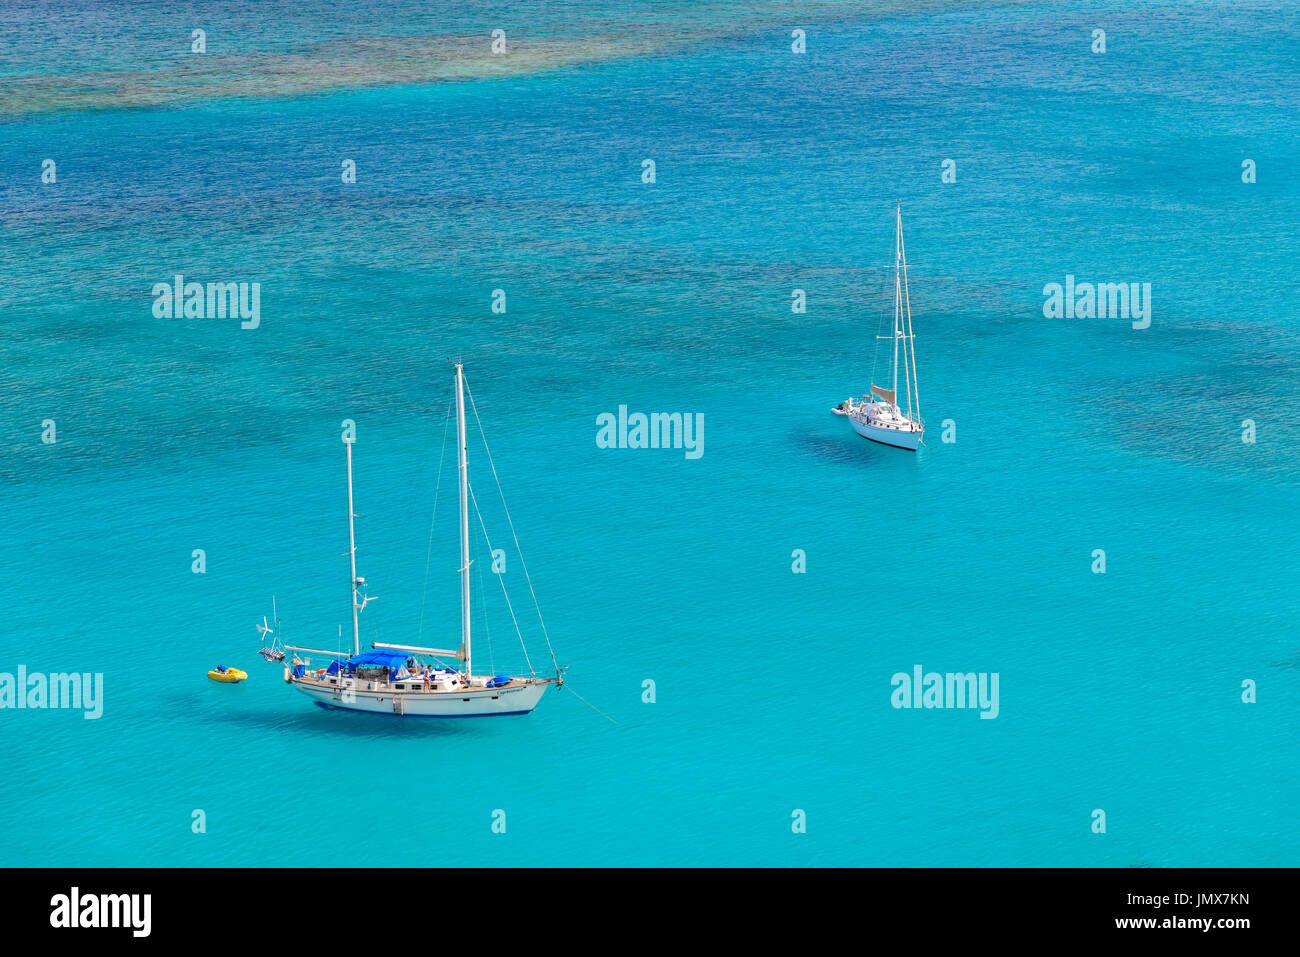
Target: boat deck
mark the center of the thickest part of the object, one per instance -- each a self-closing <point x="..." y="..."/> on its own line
<point x="897" y="423"/>
<point x="407" y="687"/>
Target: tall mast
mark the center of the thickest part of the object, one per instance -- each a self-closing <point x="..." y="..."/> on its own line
<point x="898" y="294"/>
<point x="352" y="552"/>
<point x="464" y="516"/>
<point x="911" y="340"/>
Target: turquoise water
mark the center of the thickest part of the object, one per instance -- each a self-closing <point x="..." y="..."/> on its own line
<point x="1119" y="692"/>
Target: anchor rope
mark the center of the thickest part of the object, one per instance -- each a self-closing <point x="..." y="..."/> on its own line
<point x="590" y="705"/>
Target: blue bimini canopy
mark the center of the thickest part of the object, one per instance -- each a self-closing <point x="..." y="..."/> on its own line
<point x="380" y="658"/>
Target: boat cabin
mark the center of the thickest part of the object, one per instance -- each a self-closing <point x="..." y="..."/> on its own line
<point x="385" y="670"/>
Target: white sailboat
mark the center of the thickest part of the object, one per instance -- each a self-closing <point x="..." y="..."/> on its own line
<point x="880" y="417"/>
<point x="412" y="680"/>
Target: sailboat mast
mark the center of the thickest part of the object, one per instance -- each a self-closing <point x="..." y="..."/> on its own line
<point x="897" y="297"/>
<point x="464" y="516"/>
<point x="352" y="552"/>
<point x="911" y="340"/>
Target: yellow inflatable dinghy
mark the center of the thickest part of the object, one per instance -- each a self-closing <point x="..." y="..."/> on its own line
<point x="229" y="675"/>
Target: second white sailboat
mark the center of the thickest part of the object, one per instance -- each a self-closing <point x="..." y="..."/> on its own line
<point x="880" y="417"/>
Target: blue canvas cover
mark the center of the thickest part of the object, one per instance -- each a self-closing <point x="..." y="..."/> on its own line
<point x="380" y="658"/>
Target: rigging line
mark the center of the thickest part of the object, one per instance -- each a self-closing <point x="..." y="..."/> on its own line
<point x="503" y="584"/>
<point x="880" y="323"/>
<point x="483" y="616"/>
<point x="424" y="592"/>
<point x="907" y="374"/>
<point x="911" y="342"/>
<point x="590" y="705"/>
<point x="513" y="534"/>
<point x="875" y="355"/>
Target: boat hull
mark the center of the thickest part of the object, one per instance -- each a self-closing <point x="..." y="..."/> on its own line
<point x="466" y="703"/>
<point x="898" y="438"/>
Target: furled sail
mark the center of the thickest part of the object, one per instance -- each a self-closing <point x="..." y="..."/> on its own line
<point x="884" y="395"/>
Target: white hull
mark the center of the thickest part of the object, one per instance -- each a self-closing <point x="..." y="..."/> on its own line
<point x="515" y="698"/>
<point x="907" y="437"/>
